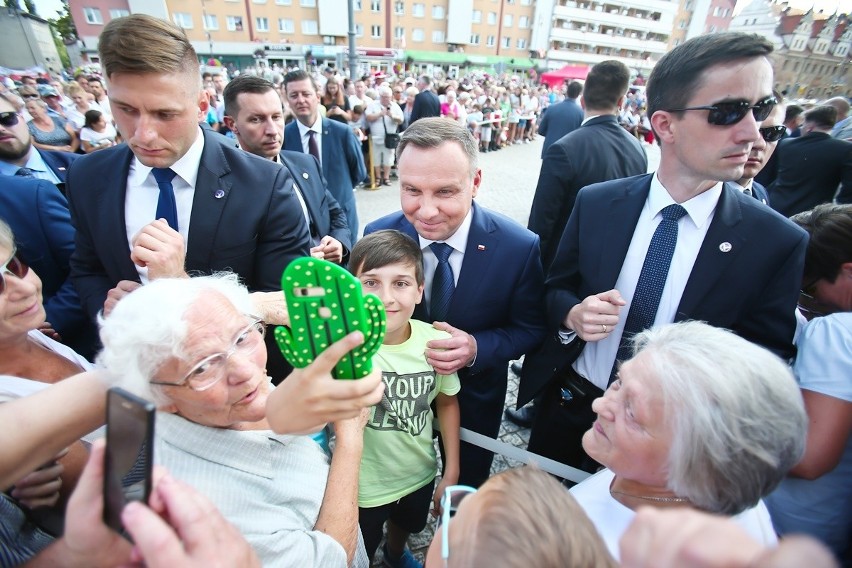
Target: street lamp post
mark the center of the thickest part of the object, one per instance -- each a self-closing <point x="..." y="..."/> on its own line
<point x="353" y="54"/>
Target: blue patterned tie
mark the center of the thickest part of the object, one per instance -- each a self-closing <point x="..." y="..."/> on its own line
<point x="443" y="283"/>
<point x="25" y="172"/>
<point x="652" y="280"/>
<point x="166" y="206"/>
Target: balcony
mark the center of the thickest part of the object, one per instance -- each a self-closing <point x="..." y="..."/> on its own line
<point x="619" y="19"/>
<point x="608" y="40"/>
<point x="567" y="56"/>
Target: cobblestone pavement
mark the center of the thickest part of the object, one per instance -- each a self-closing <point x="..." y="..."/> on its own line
<point x="508" y="184"/>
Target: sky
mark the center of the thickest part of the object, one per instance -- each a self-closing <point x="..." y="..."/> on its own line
<point x="48" y="8"/>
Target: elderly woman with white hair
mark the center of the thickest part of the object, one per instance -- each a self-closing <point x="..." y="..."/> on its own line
<point x="700" y="418"/>
<point x="190" y="345"/>
<point x="384" y="117"/>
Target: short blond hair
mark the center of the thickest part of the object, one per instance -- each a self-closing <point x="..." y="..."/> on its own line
<point x="529" y="506"/>
<point x="143" y="44"/>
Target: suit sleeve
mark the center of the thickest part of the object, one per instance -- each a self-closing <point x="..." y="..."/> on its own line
<point x="87" y="272"/>
<point x="355" y="158"/>
<point x="64" y="311"/>
<point x="542" y="125"/>
<point x="339" y="226"/>
<point x="554" y="194"/>
<point x="524" y="329"/>
<point x="283" y="237"/>
<point x="845" y="193"/>
<point x="564" y="279"/>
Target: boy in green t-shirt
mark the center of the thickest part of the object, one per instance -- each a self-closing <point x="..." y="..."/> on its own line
<point x="399" y="462"/>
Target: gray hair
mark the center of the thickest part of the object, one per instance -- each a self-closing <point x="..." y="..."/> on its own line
<point x="148" y="327"/>
<point x="736" y="414"/>
<point x="435" y="131"/>
<point x="7" y="239"/>
<point x="385" y="90"/>
<point x="411" y="91"/>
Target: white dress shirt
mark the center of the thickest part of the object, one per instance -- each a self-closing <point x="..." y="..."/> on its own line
<point x="595" y="361"/>
<point x="140" y="202"/>
<point x="458" y="242"/>
<point x="304" y="137"/>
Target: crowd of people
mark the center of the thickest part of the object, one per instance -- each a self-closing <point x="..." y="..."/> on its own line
<point x="686" y="346"/>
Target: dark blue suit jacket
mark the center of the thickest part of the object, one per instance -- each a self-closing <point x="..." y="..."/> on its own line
<point x="245" y="218"/>
<point x="426" y="105"/>
<point x="498" y="300"/>
<point x="39" y="218"/>
<point x="752" y="289"/>
<point x="59" y="162"/>
<point x="342" y="164"/>
<point x="759" y="192"/>
<point x="558" y="120"/>
<point x="327" y="217"/>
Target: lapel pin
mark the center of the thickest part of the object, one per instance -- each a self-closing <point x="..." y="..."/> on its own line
<point x="305" y="175"/>
<point x="725" y="247"/>
<point x="219" y="194"/>
<point x="480" y="247"/>
<point x="61" y="169"/>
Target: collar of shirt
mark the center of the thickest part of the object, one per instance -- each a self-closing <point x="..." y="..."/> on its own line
<point x="587" y="119"/>
<point x="458" y="240"/>
<point x="699" y="209"/>
<point x="316" y="127"/>
<point x="36" y="163"/>
<point x="186" y="167"/>
<point x="742" y="187"/>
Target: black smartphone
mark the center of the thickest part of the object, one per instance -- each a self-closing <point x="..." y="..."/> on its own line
<point x="129" y="453"/>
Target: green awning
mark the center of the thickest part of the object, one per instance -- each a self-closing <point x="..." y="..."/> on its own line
<point x="436" y="57"/>
<point x="512" y="62"/>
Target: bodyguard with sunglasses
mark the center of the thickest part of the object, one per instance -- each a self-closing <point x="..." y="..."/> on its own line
<point x="676" y="245"/>
<point x="771" y="131"/>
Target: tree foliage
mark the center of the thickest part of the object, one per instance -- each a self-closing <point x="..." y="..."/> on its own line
<point x="64" y="24"/>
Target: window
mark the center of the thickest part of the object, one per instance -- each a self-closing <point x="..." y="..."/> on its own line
<point x="375" y="31"/>
<point x="526" y="2"/>
<point x="183" y="20"/>
<point x="438" y="12"/>
<point x="523" y="21"/>
<point x="259" y="1"/>
<point x="399" y="8"/>
<point x="284" y="2"/>
<point x="359" y="30"/>
<point x="308" y="3"/>
<point x="93" y="16"/>
<point x="211" y="22"/>
<point x="309" y="27"/>
<point x="261" y="24"/>
<point x="477" y="16"/>
<point x="492" y="18"/>
<point x="234" y="23"/>
<point x="285" y="26"/>
<point x="507" y="21"/>
<point x="399" y="32"/>
<point x="474" y="39"/>
<point x="522" y="43"/>
<point x="357" y="5"/>
<point x="417" y="34"/>
<point x="489" y="41"/>
<point x="418" y="10"/>
<point x="438" y="36"/>
<point x="376" y="5"/>
<point x="717" y="11"/>
<point x="118" y="13"/>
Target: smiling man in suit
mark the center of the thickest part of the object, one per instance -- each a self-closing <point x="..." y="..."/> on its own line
<point x="174" y="200"/>
<point x="332" y="143"/>
<point x="253" y="112"/>
<point x="484" y="281"/>
<point x="671" y="246"/>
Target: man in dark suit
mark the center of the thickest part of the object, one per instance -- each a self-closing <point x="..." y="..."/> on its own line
<point x="811" y="167"/>
<point x="670" y="246"/>
<point x="792" y="129"/>
<point x="561" y="118"/>
<point x="771" y="131"/>
<point x="426" y="102"/>
<point x="38" y="215"/>
<point x="254" y="114"/>
<point x="486" y="287"/>
<point x="600" y="150"/>
<point x="216" y="207"/>
<point x="332" y="143"/>
<point x="19" y="157"/>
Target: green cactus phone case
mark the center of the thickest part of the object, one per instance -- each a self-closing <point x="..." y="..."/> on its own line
<point x="325" y="304"/>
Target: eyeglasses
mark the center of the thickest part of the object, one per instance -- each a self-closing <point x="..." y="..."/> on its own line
<point x="450" y="502"/>
<point x="14" y="266"/>
<point x="727" y="113"/>
<point x="8" y="119"/>
<point x="29" y="96"/>
<point x="211" y="369"/>
<point x="772" y="133"/>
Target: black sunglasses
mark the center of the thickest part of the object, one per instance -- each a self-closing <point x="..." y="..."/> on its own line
<point x="29" y="96"/>
<point x="727" y="113"/>
<point x="14" y="266"/>
<point x="8" y="119"/>
<point x="772" y="133"/>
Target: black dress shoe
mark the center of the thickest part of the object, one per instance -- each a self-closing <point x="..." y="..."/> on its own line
<point x="523" y="417"/>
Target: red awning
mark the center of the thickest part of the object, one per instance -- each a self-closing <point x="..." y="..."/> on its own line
<point x="568" y="72"/>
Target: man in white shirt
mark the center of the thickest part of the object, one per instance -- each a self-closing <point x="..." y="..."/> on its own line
<point x="670" y="246"/>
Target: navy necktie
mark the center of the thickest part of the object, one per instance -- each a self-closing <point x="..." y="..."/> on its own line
<point x="652" y="280"/>
<point x="313" y="147"/>
<point x="25" y="172"/>
<point x="443" y="283"/>
<point x="166" y="206"/>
